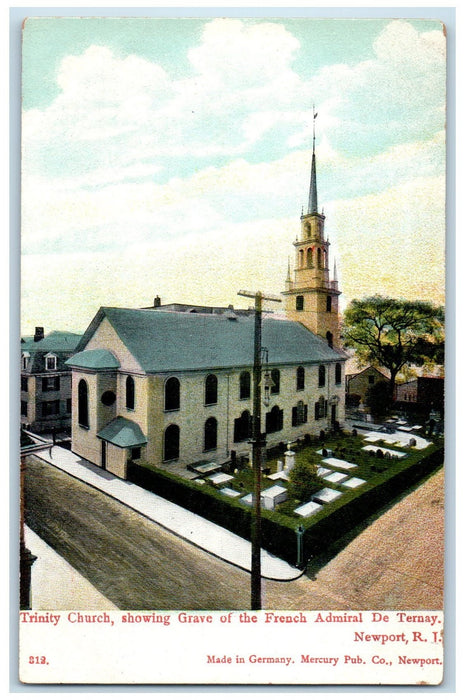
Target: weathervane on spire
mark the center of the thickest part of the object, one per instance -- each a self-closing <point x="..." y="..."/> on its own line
<point x="315" y="114"/>
<point x="313" y="199"/>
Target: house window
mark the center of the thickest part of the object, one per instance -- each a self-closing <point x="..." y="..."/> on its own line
<point x="172" y="394"/>
<point x="24" y="408"/>
<point x="83" y="404"/>
<point x="274" y="420"/>
<point x="300" y="379"/>
<point x="130" y="394"/>
<point x="24" y="383"/>
<point x="321" y="375"/>
<point x="24" y="360"/>
<point x="50" y="383"/>
<point x="210" y="434"/>
<point x="338" y="373"/>
<point x="50" y="408"/>
<point x="243" y="427"/>
<point x="211" y="390"/>
<point x="371" y="379"/>
<point x="299" y="414"/>
<point x="276" y="379"/>
<point x="299" y="303"/>
<point x="51" y="362"/>
<point x="244" y="385"/>
<point x="135" y="453"/>
<point x="68" y="405"/>
<point x="171" y="443"/>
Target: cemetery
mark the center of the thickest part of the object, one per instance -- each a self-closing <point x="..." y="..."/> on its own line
<point x="353" y="473"/>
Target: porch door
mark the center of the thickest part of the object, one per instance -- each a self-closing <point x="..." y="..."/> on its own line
<point x="104" y="454"/>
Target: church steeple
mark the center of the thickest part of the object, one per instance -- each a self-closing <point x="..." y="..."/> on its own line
<point x="313" y="195"/>
<point x="311" y="296"/>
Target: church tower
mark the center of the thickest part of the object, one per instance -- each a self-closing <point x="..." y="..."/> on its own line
<point x="311" y="297"/>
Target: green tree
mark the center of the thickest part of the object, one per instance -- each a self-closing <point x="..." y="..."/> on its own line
<point x="393" y="333"/>
<point x="379" y="399"/>
<point x="304" y="481"/>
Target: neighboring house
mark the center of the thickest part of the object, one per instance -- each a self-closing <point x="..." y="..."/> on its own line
<point x="46" y="380"/>
<point x="174" y="388"/>
<point x="425" y="391"/>
<point x="359" y="382"/>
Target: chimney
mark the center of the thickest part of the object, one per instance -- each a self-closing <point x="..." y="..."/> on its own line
<point x="156" y="302"/>
<point x="39" y="334"/>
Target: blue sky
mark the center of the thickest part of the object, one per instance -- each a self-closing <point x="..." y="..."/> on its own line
<point x="172" y="157"/>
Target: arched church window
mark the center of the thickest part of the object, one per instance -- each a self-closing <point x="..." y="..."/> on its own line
<point x="301" y="258"/>
<point x="83" y="404"/>
<point x="211" y="390"/>
<point x="243" y="427"/>
<point x="130" y="394"/>
<point x="300" y="378"/>
<point x="299" y="303"/>
<point x="276" y="380"/>
<point x="318" y="257"/>
<point x="274" y="420"/>
<point x="328" y="302"/>
<point x="329" y="339"/>
<point x="210" y="434"/>
<point x="244" y="385"/>
<point x="171" y="443"/>
<point x="172" y="394"/>
<point x="321" y="408"/>
<point x="309" y="257"/>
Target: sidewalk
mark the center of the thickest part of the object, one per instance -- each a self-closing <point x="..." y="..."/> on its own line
<point x="56" y="585"/>
<point x="191" y="527"/>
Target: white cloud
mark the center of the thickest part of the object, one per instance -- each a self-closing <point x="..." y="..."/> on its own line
<point x="393" y="242"/>
<point x="113" y="110"/>
<point x="240" y="56"/>
<point x="109" y="163"/>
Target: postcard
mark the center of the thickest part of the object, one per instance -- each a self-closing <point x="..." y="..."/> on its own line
<point x="232" y="351"/>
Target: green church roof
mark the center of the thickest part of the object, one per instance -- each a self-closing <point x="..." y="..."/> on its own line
<point x="169" y="342"/>
<point x="94" y="359"/>
<point x="123" y="433"/>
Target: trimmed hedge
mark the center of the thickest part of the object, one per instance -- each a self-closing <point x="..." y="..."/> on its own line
<point x="278" y="530"/>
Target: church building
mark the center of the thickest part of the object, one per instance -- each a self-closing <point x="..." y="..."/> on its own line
<point x="173" y="387"/>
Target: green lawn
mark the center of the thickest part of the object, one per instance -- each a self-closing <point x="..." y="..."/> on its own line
<point x="344" y="446"/>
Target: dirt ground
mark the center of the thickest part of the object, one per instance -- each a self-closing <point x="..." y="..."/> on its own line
<point x="396" y="563"/>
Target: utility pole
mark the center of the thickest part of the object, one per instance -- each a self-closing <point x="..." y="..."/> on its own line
<point x="258" y="442"/>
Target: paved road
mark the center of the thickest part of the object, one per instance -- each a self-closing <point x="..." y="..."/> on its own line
<point x="133" y="562"/>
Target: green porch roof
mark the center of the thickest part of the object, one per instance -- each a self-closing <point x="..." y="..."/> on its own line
<point x="94" y="359"/>
<point x="123" y="433"/>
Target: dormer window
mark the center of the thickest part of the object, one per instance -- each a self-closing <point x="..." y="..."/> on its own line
<point x="24" y="360"/>
<point x="50" y="362"/>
